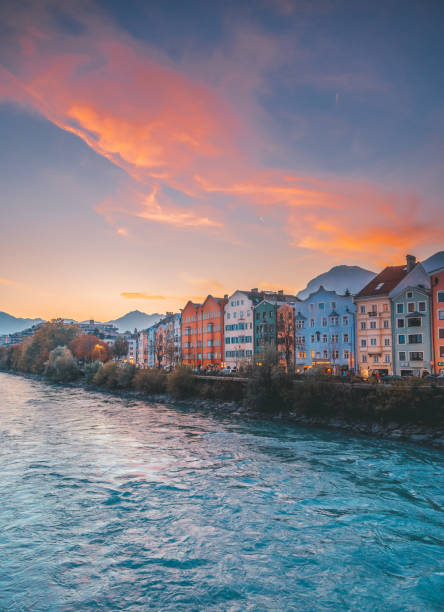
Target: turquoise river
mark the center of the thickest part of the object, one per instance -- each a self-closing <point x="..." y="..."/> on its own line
<point x="109" y="503"/>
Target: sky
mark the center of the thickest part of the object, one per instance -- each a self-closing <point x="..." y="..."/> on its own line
<point x="152" y="152"/>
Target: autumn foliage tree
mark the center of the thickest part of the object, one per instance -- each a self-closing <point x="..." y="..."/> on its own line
<point x="89" y="348"/>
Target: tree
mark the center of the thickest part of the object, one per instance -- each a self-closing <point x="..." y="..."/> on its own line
<point x="89" y="348"/>
<point x="61" y="366"/>
<point x="120" y="348"/>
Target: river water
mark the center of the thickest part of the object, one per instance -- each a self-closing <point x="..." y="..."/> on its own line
<point x="117" y="504"/>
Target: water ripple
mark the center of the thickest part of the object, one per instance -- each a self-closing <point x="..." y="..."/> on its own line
<point x="116" y="504"/>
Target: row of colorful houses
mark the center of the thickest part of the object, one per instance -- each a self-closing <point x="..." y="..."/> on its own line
<point x="393" y="326"/>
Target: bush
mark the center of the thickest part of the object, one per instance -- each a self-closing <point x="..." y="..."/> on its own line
<point x="61" y="366"/>
<point x="152" y="380"/>
<point x="107" y="375"/>
<point x="269" y="388"/>
<point x="90" y="370"/>
<point x="125" y="376"/>
<point x="181" y="383"/>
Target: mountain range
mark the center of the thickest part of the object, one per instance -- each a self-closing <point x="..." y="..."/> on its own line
<point x="339" y="278"/>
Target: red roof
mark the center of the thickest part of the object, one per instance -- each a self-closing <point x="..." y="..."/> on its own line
<point x="384" y="282"/>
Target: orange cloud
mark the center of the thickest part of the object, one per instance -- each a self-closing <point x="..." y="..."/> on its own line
<point x="131" y="106"/>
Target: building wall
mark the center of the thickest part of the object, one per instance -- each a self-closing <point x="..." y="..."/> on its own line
<point x="285" y="336"/>
<point x="325" y="332"/>
<point x="437" y="304"/>
<point x="374" y="335"/>
<point x="265" y="332"/>
<point x="238" y="330"/>
<point x="203" y="333"/>
<point x="411" y="341"/>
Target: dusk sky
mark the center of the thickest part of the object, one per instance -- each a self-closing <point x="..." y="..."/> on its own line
<point x="156" y="151"/>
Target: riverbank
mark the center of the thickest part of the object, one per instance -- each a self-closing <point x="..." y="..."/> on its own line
<point x="417" y="432"/>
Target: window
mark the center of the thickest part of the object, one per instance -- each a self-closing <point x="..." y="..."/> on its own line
<point x="234" y="314"/>
<point x="372" y="324"/>
<point x="399" y="323"/>
<point x="325" y="354"/>
<point x="334" y="321"/>
<point x="335" y="339"/>
<point x="333" y="305"/>
<point x="362" y="309"/>
<point x="399" y="308"/>
<point x="385" y="307"/>
<point x="401" y="355"/>
<point x="229" y="316"/>
<point x="441" y="333"/>
<point x="409" y="294"/>
<point x="372" y="341"/>
<point x="321" y="305"/>
<point x="414" y="322"/>
<point x="411" y="307"/>
<point x="299" y="324"/>
<point x="386" y="323"/>
<point x="363" y="325"/>
<point x="374" y="308"/>
<point x="379" y="286"/>
<point x="312" y="338"/>
<point x="324" y="338"/>
<point x="386" y="341"/>
<point x="376" y="358"/>
<point x="344" y="321"/>
<point x="440" y="296"/>
<point x="415" y="339"/>
<point x="421" y="306"/>
<point x="416" y="356"/>
<point x="364" y="358"/>
<point x="345" y="338"/>
<point x="387" y="358"/>
<point x="401" y="339"/>
<point x="363" y="342"/>
<point x="335" y="354"/>
<point x="346" y="354"/>
<point x="324" y="322"/>
<point x="441" y="315"/>
<point x="227" y="340"/>
<point x="311" y="307"/>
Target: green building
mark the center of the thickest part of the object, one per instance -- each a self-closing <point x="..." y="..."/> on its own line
<point x="411" y="325"/>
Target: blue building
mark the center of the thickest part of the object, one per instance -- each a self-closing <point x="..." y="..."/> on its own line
<point x="325" y="333"/>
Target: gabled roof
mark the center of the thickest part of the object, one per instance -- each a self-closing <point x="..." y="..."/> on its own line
<point x="384" y="282"/>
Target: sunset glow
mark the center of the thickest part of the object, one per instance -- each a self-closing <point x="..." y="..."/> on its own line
<point x="255" y="147"/>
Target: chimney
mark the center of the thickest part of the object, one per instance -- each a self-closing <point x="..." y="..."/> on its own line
<point x="411" y="262"/>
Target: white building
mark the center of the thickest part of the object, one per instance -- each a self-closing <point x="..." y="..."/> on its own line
<point x="239" y="327"/>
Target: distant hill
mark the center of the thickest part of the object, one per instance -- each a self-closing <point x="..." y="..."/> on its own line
<point x="10" y="324"/>
<point x="434" y="262"/>
<point x="339" y="279"/>
<point x="135" y="320"/>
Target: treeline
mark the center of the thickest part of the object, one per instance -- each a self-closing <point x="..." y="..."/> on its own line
<point x="63" y="355"/>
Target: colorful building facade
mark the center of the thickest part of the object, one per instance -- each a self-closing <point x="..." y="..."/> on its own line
<point x="374" y="331"/>
<point x="202" y="333"/>
<point x="437" y="315"/>
<point x="266" y="323"/>
<point x="239" y="327"/>
<point x="285" y="336"/>
<point x="325" y="333"/>
<point x="411" y="324"/>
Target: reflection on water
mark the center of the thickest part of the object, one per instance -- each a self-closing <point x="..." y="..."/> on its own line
<point x="118" y="504"/>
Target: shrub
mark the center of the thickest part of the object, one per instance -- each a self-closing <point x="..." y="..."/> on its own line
<point x="90" y="370"/>
<point x="61" y="366"/>
<point x="181" y="383"/>
<point x="125" y="376"/>
<point x="152" y="380"/>
<point x="107" y="375"/>
<point x="269" y="388"/>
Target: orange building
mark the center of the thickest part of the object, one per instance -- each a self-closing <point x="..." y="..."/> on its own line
<point x="203" y="333"/>
<point x="437" y="300"/>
